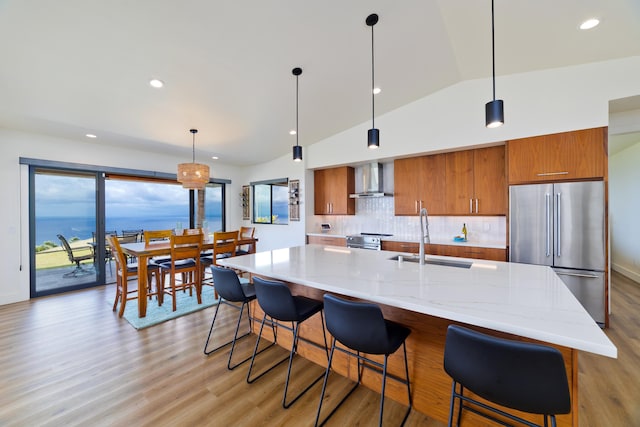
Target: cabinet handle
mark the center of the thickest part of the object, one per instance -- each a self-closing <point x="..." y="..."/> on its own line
<point x="477" y="206"/>
<point x="552" y="173"/>
<point x="559" y="226"/>
<point x="586" y="276"/>
<point x="470" y="205"/>
<point x="547" y="204"/>
<point x="416" y="205"/>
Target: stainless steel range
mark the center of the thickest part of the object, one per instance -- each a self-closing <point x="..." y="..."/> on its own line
<point x="372" y="241"/>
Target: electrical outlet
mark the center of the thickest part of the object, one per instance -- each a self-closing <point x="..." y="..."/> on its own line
<point x="487" y="226"/>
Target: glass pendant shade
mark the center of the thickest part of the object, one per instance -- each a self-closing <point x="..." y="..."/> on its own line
<point x="193" y="176"/>
<point x="297" y="153"/>
<point x="373" y="138"/>
<point x="494" y="112"/>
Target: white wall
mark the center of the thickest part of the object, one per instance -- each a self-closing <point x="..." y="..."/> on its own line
<point x="275" y="236"/>
<point x="624" y="205"/>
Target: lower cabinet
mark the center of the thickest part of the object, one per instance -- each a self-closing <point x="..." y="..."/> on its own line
<point x="474" y="252"/>
<point x="327" y="240"/>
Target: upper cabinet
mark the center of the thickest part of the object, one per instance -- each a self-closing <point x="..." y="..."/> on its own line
<point x="470" y="182"/>
<point x="476" y="182"/>
<point x="331" y="191"/>
<point x="562" y="156"/>
<point x="418" y="183"/>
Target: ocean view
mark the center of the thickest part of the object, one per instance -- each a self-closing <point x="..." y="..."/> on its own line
<point x="47" y="228"/>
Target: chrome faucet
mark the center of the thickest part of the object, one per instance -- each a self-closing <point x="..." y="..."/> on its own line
<point x="424" y="233"/>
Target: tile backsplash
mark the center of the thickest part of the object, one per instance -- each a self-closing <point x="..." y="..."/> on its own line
<point x="376" y="215"/>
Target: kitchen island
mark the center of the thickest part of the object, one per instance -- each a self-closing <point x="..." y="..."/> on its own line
<point x="504" y="299"/>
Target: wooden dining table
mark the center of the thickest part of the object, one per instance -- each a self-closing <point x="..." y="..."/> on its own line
<point x="144" y="252"/>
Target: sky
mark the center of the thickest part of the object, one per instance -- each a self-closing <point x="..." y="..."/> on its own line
<point x="74" y="196"/>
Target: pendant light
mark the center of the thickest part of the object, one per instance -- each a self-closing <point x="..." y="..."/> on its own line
<point x="193" y="176"/>
<point x="494" y="110"/>
<point x="297" y="149"/>
<point x="373" y="135"/>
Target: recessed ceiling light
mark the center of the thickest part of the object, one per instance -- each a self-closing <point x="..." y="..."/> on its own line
<point x="214" y="157"/>
<point x="292" y="132"/>
<point x="156" y="83"/>
<point x="90" y="135"/>
<point x="589" y="24"/>
<point x="376" y="90"/>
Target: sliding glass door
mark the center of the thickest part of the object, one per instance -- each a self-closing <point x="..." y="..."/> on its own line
<point x="73" y="207"/>
<point x="64" y="231"/>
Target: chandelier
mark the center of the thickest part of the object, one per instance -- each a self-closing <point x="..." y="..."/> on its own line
<point x="193" y="176"/>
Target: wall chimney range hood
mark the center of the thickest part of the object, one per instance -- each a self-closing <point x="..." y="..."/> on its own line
<point x="371" y="181"/>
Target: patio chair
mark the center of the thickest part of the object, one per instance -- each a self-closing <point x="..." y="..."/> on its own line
<point x="75" y="259"/>
<point x="108" y="256"/>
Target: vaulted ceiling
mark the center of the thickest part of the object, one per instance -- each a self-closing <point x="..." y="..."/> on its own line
<point x="73" y="67"/>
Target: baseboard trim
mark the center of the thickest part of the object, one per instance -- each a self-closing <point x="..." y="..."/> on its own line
<point x="633" y="275"/>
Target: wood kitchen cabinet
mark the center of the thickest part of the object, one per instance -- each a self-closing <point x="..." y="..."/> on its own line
<point x="492" y="254"/>
<point x="331" y="191"/>
<point x="411" y="247"/>
<point x="476" y="182"/>
<point x="419" y="182"/>
<point x="327" y="240"/>
<point x="474" y="252"/>
<point x="572" y="155"/>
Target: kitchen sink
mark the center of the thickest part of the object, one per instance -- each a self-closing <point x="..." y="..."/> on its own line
<point x="445" y="263"/>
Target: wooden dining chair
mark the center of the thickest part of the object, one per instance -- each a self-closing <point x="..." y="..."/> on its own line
<point x="154" y="236"/>
<point x="151" y="236"/>
<point x="224" y="246"/>
<point x="128" y="238"/>
<point x="125" y="272"/>
<point x="245" y="233"/>
<point x="185" y="259"/>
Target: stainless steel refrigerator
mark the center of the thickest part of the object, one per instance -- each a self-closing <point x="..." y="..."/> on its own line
<point x="563" y="226"/>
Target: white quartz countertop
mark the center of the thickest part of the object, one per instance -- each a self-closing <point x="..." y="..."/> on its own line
<point x="520" y="299"/>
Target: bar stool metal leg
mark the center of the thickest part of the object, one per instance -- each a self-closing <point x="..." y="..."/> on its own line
<point x="235" y="335"/>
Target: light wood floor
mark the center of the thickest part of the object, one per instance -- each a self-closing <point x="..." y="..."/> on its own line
<point x="68" y="360"/>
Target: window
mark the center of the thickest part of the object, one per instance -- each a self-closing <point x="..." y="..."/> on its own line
<point x="271" y="201"/>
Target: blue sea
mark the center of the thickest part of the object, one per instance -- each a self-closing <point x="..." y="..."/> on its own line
<point x="48" y="228"/>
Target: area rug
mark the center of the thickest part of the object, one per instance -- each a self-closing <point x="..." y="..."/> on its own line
<point x="185" y="304"/>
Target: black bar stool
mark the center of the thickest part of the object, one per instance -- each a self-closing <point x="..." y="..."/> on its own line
<point x="523" y="376"/>
<point x="231" y="290"/>
<point x="361" y="327"/>
<point x="278" y="304"/>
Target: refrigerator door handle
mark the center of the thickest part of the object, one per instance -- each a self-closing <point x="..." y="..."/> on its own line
<point x="587" y="276"/>
<point x="547" y="199"/>
<point x="558" y="226"/>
